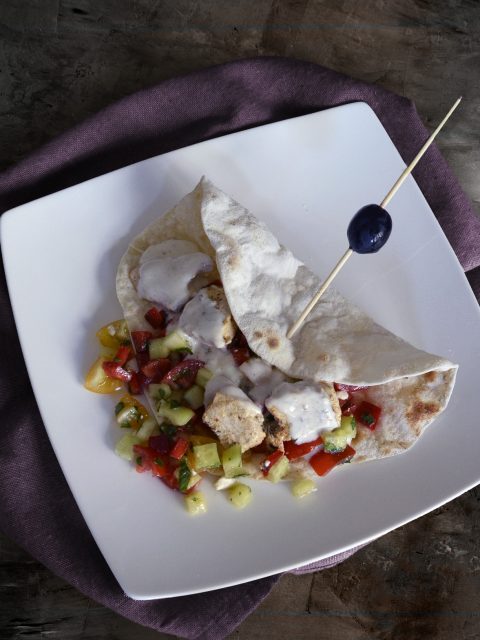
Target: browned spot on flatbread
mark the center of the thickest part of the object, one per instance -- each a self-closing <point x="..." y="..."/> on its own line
<point x="134" y="276"/>
<point x="257" y="334"/>
<point x="420" y="413"/>
<point x="430" y="376"/>
<point x="233" y="260"/>
<point x="273" y="342"/>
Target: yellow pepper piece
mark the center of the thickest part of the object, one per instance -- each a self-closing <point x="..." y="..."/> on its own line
<point x="114" y="334"/>
<point x="129" y="401"/>
<point x="97" y="380"/>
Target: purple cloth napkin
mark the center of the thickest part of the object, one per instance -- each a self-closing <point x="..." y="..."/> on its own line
<point x="37" y="509"/>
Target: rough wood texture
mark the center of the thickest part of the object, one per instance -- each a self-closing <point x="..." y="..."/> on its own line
<point x="60" y="61"/>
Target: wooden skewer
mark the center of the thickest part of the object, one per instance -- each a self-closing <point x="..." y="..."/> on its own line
<point x="406" y="172"/>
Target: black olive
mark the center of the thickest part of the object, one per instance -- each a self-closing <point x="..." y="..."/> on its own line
<point x="369" y="229"/>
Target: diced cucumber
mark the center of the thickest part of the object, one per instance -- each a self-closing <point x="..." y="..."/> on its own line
<point x="206" y="456"/>
<point x="176" y="340"/>
<point x="157" y="349"/>
<point x="232" y="461"/>
<point x="194" y="396"/>
<point x="124" y="447"/>
<point x="278" y="470"/>
<point x="159" y="391"/>
<point x="161" y="347"/>
<point x="178" y="416"/>
<point x="240" y="495"/>
<point x="302" y="487"/>
<point x="147" y="429"/>
<point x="203" y="376"/>
<point x="127" y="415"/>
<point x="336" y="440"/>
<point x="224" y="483"/>
<point x="195" y="503"/>
<point x="194" y="480"/>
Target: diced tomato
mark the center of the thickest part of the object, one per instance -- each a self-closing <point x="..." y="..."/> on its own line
<point x="140" y="340"/>
<point x="348" y="406"/>
<point x="179" y="449"/>
<point x="157" y="318"/>
<point x="135" y="385"/>
<point x="114" y="370"/>
<point x="239" y="348"/>
<point x="122" y="355"/>
<point x="347" y="387"/>
<point x="268" y="463"/>
<point x="368" y="414"/>
<point x="183" y="374"/>
<point x="323" y="462"/>
<point x="294" y="451"/>
<point x="142" y="358"/>
<point x="155" y="370"/>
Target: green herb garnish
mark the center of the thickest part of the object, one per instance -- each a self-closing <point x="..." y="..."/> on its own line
<point x="118" y="407"/>
<point x="184" y="475"/>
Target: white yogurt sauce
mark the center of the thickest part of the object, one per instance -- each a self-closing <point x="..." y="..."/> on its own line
<point x="264" y="377"/>
<point x="238" y="394"/>
<point x="214" y="385"/>
<point x="256" y="370"/>
<point x="204" y="319"/>
<point x="168" y="249"/>
<point x="219" y="361"/>
<point x="165" y="280"/>
<point x="306" y="407"/>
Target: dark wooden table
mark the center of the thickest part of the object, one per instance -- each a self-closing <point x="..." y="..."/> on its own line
<point x="62" y="60"/>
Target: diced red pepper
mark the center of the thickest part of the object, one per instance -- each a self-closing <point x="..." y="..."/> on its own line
<point x="157" y="318"/>
<point x="159" y="467"/>
<point x="368" y="414"/>
<point x="150" y="460"/>
<point x="114" y="370"/>
<point x="123" y="354"/>
<point x="155" y="370"/>
<point x="183" y="374"/>
<point x="268" y="463"/>
<point x="140" y="340"/>
<point x="347" y="387"/>
<point x="323" y="462"/>
<point x="171" y="481"/>
<point x="179" y="449"/>
<point x="239" y="348"/>
<point x="294" y="451"/>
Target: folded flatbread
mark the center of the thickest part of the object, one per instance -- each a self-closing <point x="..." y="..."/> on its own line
<point x="267" y="288"/>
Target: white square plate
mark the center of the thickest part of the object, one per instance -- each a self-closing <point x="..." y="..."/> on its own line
<point x="305" y="177"/>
